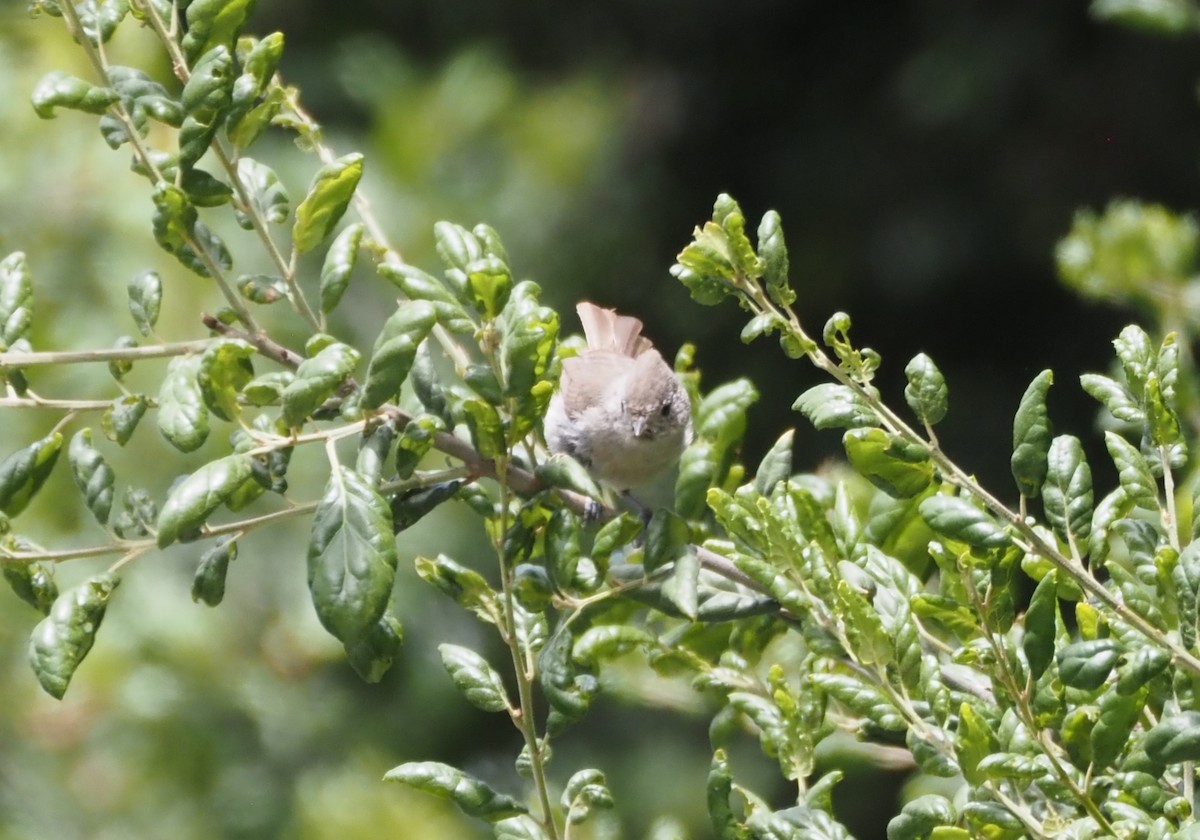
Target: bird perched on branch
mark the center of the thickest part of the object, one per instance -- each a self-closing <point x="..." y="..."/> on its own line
<point x="619" y="410"/>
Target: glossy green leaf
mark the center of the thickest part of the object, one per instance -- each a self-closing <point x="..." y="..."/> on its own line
<point x="195" y="498"/>
<point x="1114" y="396"/>
<point x="213" y="23"/>
<point x="339" y="264"/>
<point x="1087" y="664"/>
<point x="118" y="368"/>
<point x="567" y="473"/>
<point x="23" y="473"/>
<point x="16" y="298"/>
<point x="244" y="127"/>
<point x="328" y="197"/>
<point x="718" y="788"/>
<point x="926" y="392"/>
<point x="208" y="584"/>
<point x="1119" y="714"/>
<point x="920" y="816"/>
<point x="896" y="466"/>
<point x="1136" y="353"/>
<point x="32" y="582"/>
<point x="973" y="742"/>
<point x="606" y="641"/>
<point x="1162" y="420"/>
<point x="1136" y="479"/>
<point x="372" y="655"/>
<point x="1031" y="436"/>
<point x="1067" y="495"/>
<point x="776" y="465"/>
<point x="466" y="587"/>
<point x="206" y="97"/>
<point x="225" y="369"/>
<point x="268" y="198"/>
<point x="667" y="537"/>
<point x="959" y="519"/>
<point x="1139" y="669"/>
<point x="63" y="638"/>
<point x="263" y="289"/>
<point x="527" y="345"/>
<point x="833" y="406"/>
<point x="267" y="388"/>
<point x="521" y="827"/>
<point x="472" y="796"/>
<point x="474" y="677"/>
<point x="410" y="506"/>
<point x="490" y="282"/>
<point x="1041" y="626"/>
<point x="705" y="266"/>
<point x="145" y="299"/>
<point x="93" y="476"/>
<point x="395" y="350"/>
<point x="61" y="90"/>
<point x="182" y="416"/>
<point x="316" y="381"/>
<point x="351" y="556"/>
<point x="486" y="427"/>
<point x="1174" y="739"/>
<point x="584" y="792"/>
<point x="772" y="250"/>
<point x="122" y="417"/>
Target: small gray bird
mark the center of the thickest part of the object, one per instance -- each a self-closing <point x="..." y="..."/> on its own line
<point x="619" y="410"/>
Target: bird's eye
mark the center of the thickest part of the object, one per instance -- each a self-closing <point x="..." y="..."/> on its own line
<point x="665" y="411"/>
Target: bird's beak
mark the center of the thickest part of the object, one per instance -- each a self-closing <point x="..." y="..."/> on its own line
<point x="639" y="427"/>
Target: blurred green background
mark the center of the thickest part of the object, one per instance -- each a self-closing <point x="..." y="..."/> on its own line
<point x="925" y="157"/>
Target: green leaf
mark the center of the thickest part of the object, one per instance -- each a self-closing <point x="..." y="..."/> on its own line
<point x="920" y="816"/>
<point x="1143" y="666"/>
<point x="1067" y="493"/>
<point x="409" y="507"/>
<point x="395" y="350"/>
<point x="1087" y="664"/>
<point x="1174" y="739"/>
<point x="205" y="98"/>
<point x="23" y="473"/>
<point x="1136" y="479"/>
<point x="339" y="265"/>
<point x="1119" y="714"/>
<point x="61" y="90"/>
<point x="522" y="827"/>
<point x="896" y="466"/>
<point x="474" y="677"/>
<point x="212" y="23"/>
<point x="1114" y="396"/>
<point x="268" y="197"/>
<point x="606" y="641"/>
<point x="1031" y="436"/>
<point x="1169" y="18"/>
<point x="776" y="465"/>
<point x="585" y="791"/>
<point x="16" y="298"/>
<point x="667" y="536"/>
<point x="208" y="584"/>
<point x="1041" y="626"/>
<point x="960" y="520"/>
<point x="145" y="299"/>
<point x="926" y="392"/>
<point x="490" y="281"/>
<point x="833" y="406"/>
<point x="973" y="742"/>
<point x="121" y="418"/>
<point x="328" y="197"/>
<point x="93" y="476"/>
<point x="63" y="638"/>
<point x="567" y="473"/>
<point x="316" y="381"/>
<point x="372" y="655"/>
<point x="351" y="556"/>
<point x="32" y="582"/>
<point x="203" y="189"/>
<point x="195" y="498"/>
<point x="182" y="416"/>
<point x="268" y="388"/>
<point x="718" y="789"/>
<point x="474" y="797"/>
<point x="772" y="250"/>
<point x="263" y="289"/>
<point x="418" y="285"/>
<point x="225" y="369"/>
<point x="486" y="427"/>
